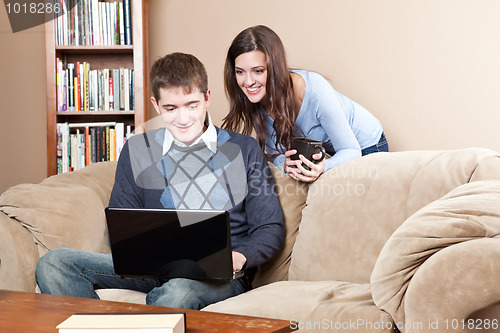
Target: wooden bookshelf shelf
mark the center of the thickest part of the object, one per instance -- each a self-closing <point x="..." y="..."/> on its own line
<point x="95" y="49"/>
<point x="99" y="57"/>
<point x="95" y="113"/>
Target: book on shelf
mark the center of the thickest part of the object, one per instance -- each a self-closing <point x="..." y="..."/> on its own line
<point x="111" y="91"/>
<point x="174" y="322"/>
<point x="81" y="144"/>
<point x="131" y="90"/>
<point x="128" y="25"/>
<point x="86" y="69"/>
<point x="121" y="23"/>
<point x="94" y="22"/>
<point x="116" y="89"/>
<point x="71" y="87"/>
<point x="80" y="88"/>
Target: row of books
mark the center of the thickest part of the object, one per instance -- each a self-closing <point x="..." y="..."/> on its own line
<point x="81" y="144"/>
<point x="81" y="89"/>
<point x="94" y="22"/>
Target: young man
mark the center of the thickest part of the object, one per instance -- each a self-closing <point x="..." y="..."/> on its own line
<point x="188" y="164"/>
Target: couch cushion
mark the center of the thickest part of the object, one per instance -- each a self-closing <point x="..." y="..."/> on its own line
<point x="312" y="306"/>
<point x="66" y="210"/>
<point x="466" y="214"/>
<point x="354" y="208"/>
<point x="292" y="196"/>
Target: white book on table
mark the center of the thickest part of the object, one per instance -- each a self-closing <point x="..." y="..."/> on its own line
<point x="124" y="322"/>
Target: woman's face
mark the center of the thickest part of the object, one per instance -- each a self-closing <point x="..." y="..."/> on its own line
<point x="251" y="74"/>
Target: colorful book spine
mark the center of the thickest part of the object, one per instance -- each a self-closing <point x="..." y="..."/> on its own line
<point x="111" y="92"/>
<point x="58" y="83"/>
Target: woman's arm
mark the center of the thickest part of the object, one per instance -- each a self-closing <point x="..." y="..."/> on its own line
<point x="327" y="114"/>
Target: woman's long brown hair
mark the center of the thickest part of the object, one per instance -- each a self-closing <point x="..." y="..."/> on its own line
<point x="279" y="89"/>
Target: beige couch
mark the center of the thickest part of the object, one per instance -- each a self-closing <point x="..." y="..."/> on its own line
<point x="407" y="240"/>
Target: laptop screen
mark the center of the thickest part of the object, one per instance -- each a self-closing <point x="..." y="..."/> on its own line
<point x="165" y="243"/>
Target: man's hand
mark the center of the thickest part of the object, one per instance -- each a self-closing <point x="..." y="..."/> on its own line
<point x="239" y="261"/>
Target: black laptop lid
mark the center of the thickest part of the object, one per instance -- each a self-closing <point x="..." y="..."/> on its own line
<point x="164" y="243"/>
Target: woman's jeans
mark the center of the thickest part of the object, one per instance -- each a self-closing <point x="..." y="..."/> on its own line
<point x="77" y="273"/>
<point x="382" y="145"/>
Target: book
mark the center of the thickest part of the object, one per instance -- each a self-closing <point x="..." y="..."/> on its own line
<point x="122" y="88"/>
<point x="71" y="87"/>
<point x="107" y="145"/>
<point x="105" y="89"/>
<point x="126" y="89"/>
<point x="86" y="86"/>
<point x="121" y="23"/>
<point x="120" y="138"/>
<point x="127" y="22"/>
<point x="58" y="83"/>
<point x="93" y="145"/>
<point x="111" y="97"/>
<point x="124" y="322"/>
<point x="116" y="89"/>
<point x="64" y="90"/>
<point x="79" y="74"/>
<point x="65" y="146"/>
<point x="91" y="91"/>
<point x="131" y="89"/>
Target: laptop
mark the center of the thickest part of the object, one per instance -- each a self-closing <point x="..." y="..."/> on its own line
<point x="169" y="243"/>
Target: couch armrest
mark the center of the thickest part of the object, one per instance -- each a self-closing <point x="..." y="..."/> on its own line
<point x="452" y="284"/>
<point x="65" y="210"/>
<point x="464" y="216"/>
<point x="19" y="255"/>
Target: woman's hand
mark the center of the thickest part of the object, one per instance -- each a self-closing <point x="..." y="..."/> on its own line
<point x="239" y="260"/>
<point x="300" y="173"/>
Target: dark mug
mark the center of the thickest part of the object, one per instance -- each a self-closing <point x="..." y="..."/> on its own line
<point x="307" y="148"/>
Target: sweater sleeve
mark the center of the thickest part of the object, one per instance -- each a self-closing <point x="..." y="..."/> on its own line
<point x="329" y="109"/>
<point x="323" y="116"/>
<point x="125" y="193"/>
<point x="266" y="231"/>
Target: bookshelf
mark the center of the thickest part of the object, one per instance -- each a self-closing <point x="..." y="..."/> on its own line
<point x="99" y="57"/>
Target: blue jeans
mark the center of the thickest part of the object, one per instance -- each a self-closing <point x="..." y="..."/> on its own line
<point x="382" y="145"/>
<point x="77" y="273"/>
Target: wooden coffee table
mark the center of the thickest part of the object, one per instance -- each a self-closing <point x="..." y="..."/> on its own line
<point x="29" y="312"/>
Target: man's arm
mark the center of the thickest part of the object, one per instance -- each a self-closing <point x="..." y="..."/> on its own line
<point x="264" y="215"/>
<point x="125" y="191"/>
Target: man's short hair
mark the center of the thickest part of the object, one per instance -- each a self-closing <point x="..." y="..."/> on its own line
<point x="178" y="70"/>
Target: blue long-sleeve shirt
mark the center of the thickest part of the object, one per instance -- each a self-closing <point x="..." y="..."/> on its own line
<point x="344" y="127"/>
<point x="257" y="227"/>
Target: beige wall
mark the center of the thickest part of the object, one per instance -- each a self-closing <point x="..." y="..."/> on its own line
<point x="22" y="112"/>
<point x="428" y="69"/>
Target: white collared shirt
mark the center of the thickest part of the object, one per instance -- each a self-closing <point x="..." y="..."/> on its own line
<point x="209" y="137"/>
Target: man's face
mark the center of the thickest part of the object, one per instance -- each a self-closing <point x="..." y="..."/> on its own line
<point x="184" y="114"/>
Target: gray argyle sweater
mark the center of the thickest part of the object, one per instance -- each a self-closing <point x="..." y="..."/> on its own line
<point x="236" y="178"/>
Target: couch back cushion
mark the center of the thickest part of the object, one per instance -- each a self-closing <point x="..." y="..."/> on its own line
<point x="65" y="210"/>
<point x="292" y="196"/>
<point x="352" y="210"/>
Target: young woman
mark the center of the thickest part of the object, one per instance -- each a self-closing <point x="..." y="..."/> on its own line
<point x="278" y="103"/>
